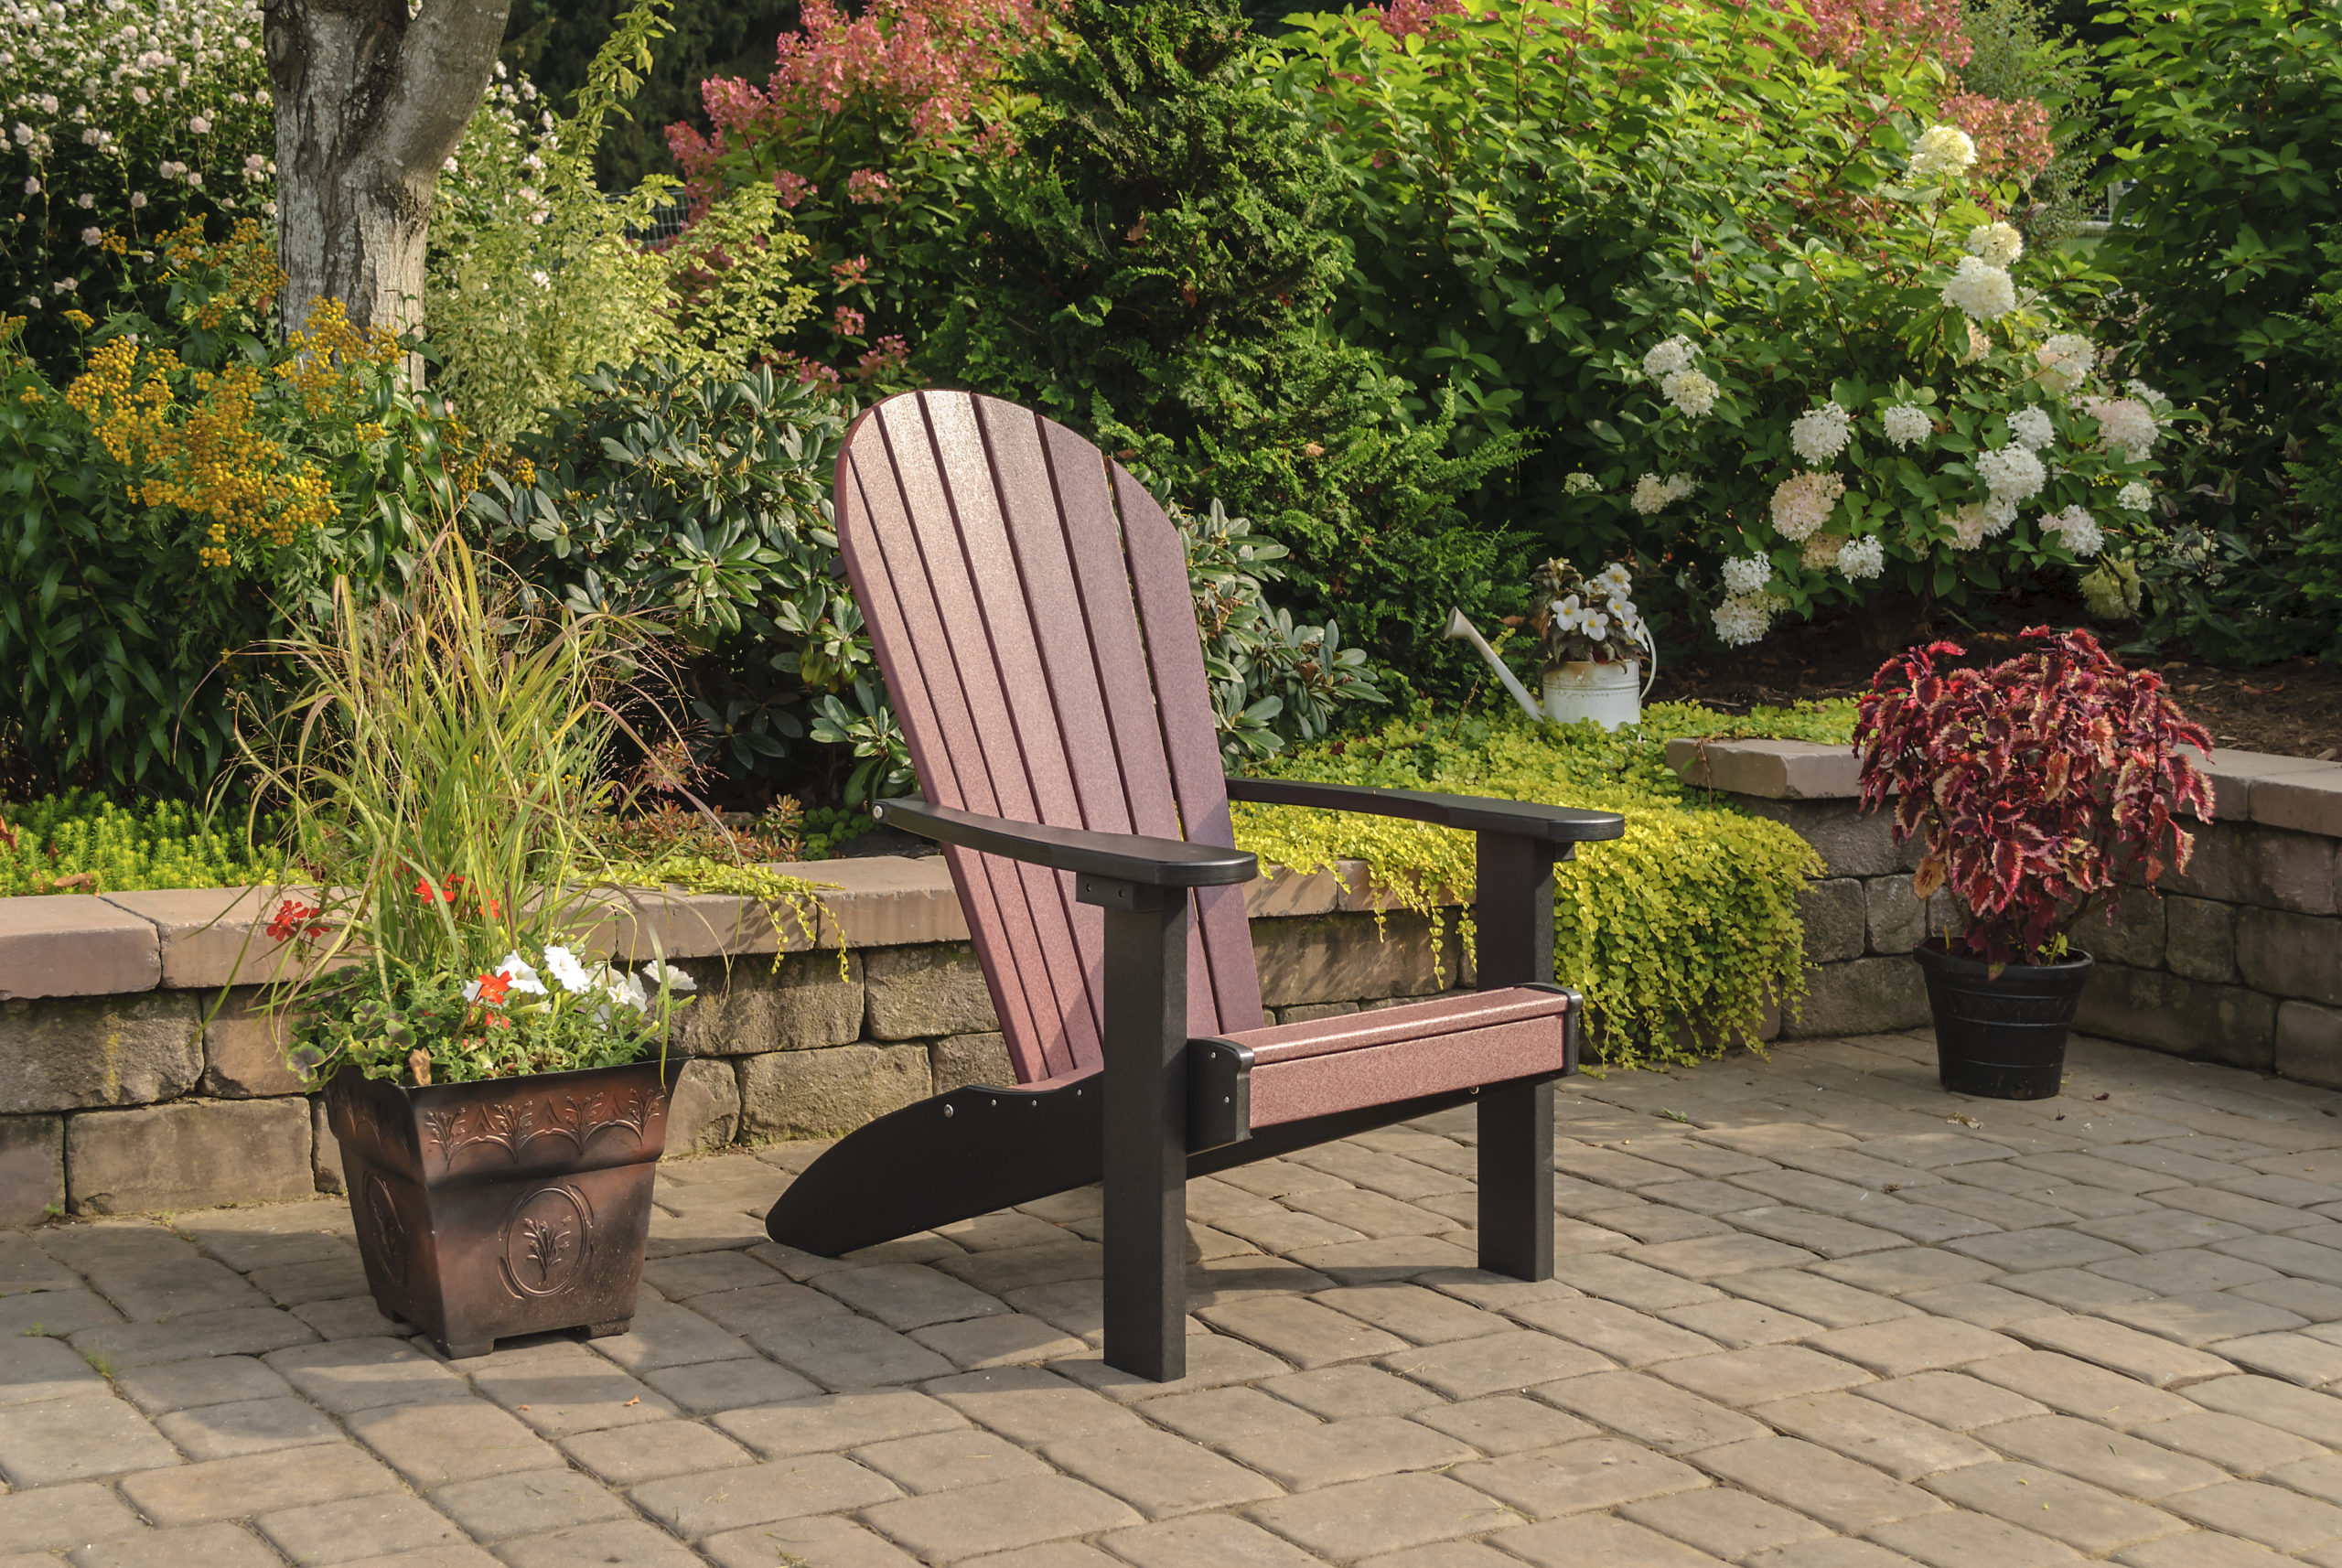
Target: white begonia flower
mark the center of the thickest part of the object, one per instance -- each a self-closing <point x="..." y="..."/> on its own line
<point x="32" y="185"/>
<point x="2066" y="360"/>
<point x="2126" y="424"/>
<point x="1581" y="483"/>
<point x="2078" y="529"/>
<point x="23" y="134"/>
<point x="92" y="137"/>
<point x="66" y="285"/>
<point x="1691" y="391"/>
<point x="1998" y="243"/>
<point x="2134" y="497"/>
<point x="1802" y="503"/>
<point x="662" y="974"/>
<point x="542" y="278"/>
<point x="1908" y="423"/>
<point x="91" y="236"/>
<point x="1980" y="289"/>
<point x="1669" y="357"/>
<point x="2011" y="473"/>
<point x="1862" y="559"/>
<point x="565" y="969"/>
<point x="1743" y="618"/>
<point x="200" y="125"/>
<point x="1945" y="153"/>
<point x="1819" y="434"/>
<point x="137" y="200"/>
<point x="1748" y="574"/>
<point x="2030" y="428"/>
<point x="48" y="100"/>
<point x="85" y="202"/>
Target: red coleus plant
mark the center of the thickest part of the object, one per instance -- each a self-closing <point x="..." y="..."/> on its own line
<point x="2041" y="784"/>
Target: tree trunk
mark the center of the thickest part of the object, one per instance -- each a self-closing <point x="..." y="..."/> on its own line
<point x="369" y="104"/>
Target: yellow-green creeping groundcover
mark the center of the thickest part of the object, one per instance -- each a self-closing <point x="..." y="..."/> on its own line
<point x="1691" y="920"/>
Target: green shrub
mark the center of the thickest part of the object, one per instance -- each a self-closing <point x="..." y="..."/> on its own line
<point x="193" y="489"/>
<point x="1690" y="920"/>
<point x="81" y="843"/>
<point x="1155" y="267"/>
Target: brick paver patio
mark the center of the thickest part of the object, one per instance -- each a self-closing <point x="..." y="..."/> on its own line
<point x="1811" y="1313"/>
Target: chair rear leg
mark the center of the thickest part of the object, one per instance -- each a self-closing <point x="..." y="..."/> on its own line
<point x="1516" y="1180"/>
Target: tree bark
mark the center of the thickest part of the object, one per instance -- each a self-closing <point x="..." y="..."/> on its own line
<point x="370" y="104"/>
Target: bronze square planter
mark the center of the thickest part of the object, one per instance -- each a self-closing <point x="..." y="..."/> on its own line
<point x="510" y="1205"/>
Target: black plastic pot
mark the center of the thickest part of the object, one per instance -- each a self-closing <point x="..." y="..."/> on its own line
<point x="2002" y="1037"/>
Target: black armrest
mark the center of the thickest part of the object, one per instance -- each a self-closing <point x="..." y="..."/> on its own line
<point x="1116" y="857"/>
<point x="1519" y="819"/>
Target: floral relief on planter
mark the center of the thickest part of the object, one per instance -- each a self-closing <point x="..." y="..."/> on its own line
<point x="508" y="1206"/>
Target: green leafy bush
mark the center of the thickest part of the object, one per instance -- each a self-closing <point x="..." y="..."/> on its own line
<point x="1680" y="934"/>
<point x="83" y="842"/>
<point x="1155" y="267"/>
<point x="196" y="486"/>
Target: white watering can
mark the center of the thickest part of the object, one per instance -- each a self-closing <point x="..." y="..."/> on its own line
<point x="1609" y="693"/>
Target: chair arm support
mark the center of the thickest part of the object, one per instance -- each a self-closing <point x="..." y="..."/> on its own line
<point x="1132" y="858"/>
<point x="1514" y="819"/>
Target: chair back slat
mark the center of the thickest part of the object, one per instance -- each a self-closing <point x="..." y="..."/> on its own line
<point x="1029" y="606"/>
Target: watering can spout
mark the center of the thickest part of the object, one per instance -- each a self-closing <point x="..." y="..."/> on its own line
<point x="1461" y="629"/>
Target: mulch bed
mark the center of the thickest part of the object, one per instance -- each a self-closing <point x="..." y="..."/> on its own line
<point x="2293" y="709"/>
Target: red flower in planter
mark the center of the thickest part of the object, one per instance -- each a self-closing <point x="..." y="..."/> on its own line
<point x="2041" y="784"/>
<point x="294" y="919"/>
<point x="493" y="989"/>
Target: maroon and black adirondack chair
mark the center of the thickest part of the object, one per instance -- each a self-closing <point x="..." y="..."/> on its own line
<point x="1030" y="606"/>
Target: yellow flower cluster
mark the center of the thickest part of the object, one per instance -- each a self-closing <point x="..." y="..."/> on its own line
<point x="245" y="256"/>
<point x="208" y="458"/>
<point x="327" y="352"/>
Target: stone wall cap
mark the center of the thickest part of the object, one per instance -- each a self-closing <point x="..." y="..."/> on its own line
<point x="211" y="936"/>
<point x="1768" y="770"/>
<point x="72" y="944"/>
<point x="2308" y="801"/>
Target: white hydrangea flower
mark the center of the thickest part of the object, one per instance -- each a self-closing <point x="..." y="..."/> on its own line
<point x="2134" y="497"/>
<point x="2127" y="425"/>
<point x="1981" y="290"/>
<point x="1653" y="494"/>
<point x="1581" y="483"/>
<point x="1669" y="357"/>
<point x="1691" y="391"/>
<point x="1998" y="243"/>
<point x="1945" y="153"/>
<point x="2030" y="428"/>
<point x="1908" y="423"/>
<point x="1862" y="559"/>
<point x="2078" y="529"/>
<point x="1802" y="503"/>
<point x="1743" y="618"/>
<point x="1748" y="574"/>
<point x="567" y="969"/>
<point x="2011" y="473"/>
<point x="1967" y="525"/>
<point x="1819" y="434"/>
<point x="2066" y="360"/>
<point x="2144" y="393"/>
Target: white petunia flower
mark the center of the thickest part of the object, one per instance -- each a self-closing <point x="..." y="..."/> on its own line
<point x="2030" y="428"/>
<point x="2134" y="497"/>
<point x="1999" y="244"/>
<point x="515" y="968"/>
<point x="1819" y="434"/>
<point x="1743" y="618"/>
<point x="2078" y="529"/>
<point x="1802" y="503"/>
<point x="1908" y="423"/>
<point x="1669" y="357"/>
<point x="2011" y="473"/>
<point x="1691" y="391"/>
<point x="1945" y="153"/>
<point x="567" y="969"/>
<point x="1981" y="290"/>
<point x="1862" y="559"/>
<point x="659" y="974"/>
<point x="1581" y="483"/>
<point x="2066" y="360"/>
<point x="1748" y="574"/>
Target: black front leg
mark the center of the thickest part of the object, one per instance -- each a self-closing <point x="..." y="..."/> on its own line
<point x="1146" y="1126"/>
<point x="1515" y="947"/>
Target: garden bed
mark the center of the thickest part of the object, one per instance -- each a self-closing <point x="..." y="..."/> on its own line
<point x="2291" y="709"/>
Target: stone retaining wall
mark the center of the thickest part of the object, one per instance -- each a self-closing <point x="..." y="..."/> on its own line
<point x="2238" y="961"/>
<point x="135" y="1074"/>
